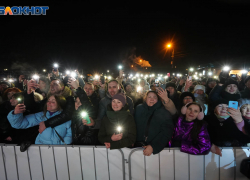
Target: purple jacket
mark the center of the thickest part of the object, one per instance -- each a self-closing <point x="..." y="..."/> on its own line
<point x="182" y="133"/>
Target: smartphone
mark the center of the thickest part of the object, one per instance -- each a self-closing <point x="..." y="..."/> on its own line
<point x="233" y="104"/>
<point x="102" y="79"/>
<point x="233" y="75"/>
<point x="190" y="78"/>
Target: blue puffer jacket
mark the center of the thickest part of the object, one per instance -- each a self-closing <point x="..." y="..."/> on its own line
<point x="49" y="135"/>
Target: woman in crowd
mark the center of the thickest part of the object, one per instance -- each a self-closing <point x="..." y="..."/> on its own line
<point x="118" y="127"/>
<point x="224" y="126"/>
<point x="7" y="133"/>
<point x="58" y="135"/>
<point x="82" y="133"/>
<point x="244" y="105"/>
<point x="190" y="131"/>
<point x="154" y="124"/>
<point x="227" y="90"/>
<point x="8" y="93"/>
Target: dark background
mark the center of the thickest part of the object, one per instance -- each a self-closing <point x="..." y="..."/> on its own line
<point x="96" y="36"/>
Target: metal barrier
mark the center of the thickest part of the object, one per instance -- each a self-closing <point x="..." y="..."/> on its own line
<point x="98" y="163"/>
<point x="171" y="164"/>
<point x="61" y="162"/>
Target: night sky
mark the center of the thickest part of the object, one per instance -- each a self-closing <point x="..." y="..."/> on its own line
<point x="99" y="36"/>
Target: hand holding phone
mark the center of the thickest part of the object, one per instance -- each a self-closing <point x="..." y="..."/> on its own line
<point x="20" y="108"/>
<point x="233" y="104"/>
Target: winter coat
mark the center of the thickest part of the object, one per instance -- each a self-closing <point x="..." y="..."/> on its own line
<point x="109" y="125"/>
<point x="103" y="108"/>
<point x="218" y="93"/>
<point x="161" y="126"/>
<point x="245" y="93"/>
<point x="49" y="135"/>
<point x="247" y="125"/>
<point x="176" y="99"/>
<point x="5" y="128"/>
<point x="61" y="118"/>
<point x="182" y="133"/>
<point x="82" y="134"/>
<point x="225" y="133"/>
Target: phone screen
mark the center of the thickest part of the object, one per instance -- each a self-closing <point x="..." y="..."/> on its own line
<point x="190" y="78"/>
<point x="233" y="104"/>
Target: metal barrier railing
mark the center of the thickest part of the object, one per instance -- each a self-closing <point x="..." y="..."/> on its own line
<point x="90" y="162"/>
<point x="173" y="164"/>
<point x="61" y="162"/>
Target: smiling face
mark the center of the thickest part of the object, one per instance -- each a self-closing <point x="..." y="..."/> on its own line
<point x="56" y="87"/>
<point x="245" y="110"/>
<point x="113" y="88"/>
<point x="231" y="88"/>
<point x="117" y="105"/>
<point x="89" y="89"/>
<point x="52" y="104"/>
<point x="192" y="112"/>
<point x="221" y="110"/>
<point x="151" y="99"/>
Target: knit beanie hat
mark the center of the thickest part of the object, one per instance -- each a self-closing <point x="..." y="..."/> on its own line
<point x="170" y="84"/>
<point x="243" y="102"/>
<point x="199" y="87"/>
<point x="231" y="81"/>
<point x="220" y="101"/>
<point x="184" y="94"/>
<point x="121" y="97"/>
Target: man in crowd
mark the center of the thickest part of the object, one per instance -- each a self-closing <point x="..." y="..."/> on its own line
<point x="113" y="88"/>
<point x="246" y="92"/>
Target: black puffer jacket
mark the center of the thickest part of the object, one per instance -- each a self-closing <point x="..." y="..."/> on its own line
<point x="226" y="133"/>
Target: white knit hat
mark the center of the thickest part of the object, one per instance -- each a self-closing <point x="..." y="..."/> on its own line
<point x="199" y="87"/>
<point x="243" y="101"/>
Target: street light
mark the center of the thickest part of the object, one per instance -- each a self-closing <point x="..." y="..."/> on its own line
<point x="226" y="68"/>
<point x="191" y="69"/>
<point x="169" y="45"/>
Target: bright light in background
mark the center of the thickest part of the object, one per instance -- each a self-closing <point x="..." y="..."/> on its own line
<point x="168" y="45"/>
<point x="119" y="67"/>
<point x="139" y="88"/>
<point x="139" y="80"/>
<point x="195" y="72"/>
<point x="191" y="69"/>
<point x="73" y="74"/>
<point x="215" y="77"/>
<point x="210" y="73"/>
<point x="166" y="77"/>
<point x="44" y="70"/>
<point x="204" y="72"/>
<point x="141" y="75"/>
<point x="173" y="74"/>
<point x="107" y="70"/>
<point x="226" y="68"/>
<point x="200" y="74"/>
<point x="153" y="75"/>
<point x="35" y="76"/>
<point x="137" y="75"/>
<point x="109" y="77"/>
<point x="55" y="65"/>
<point x="67" y="72"/>
<point x="243" y="71"/>
<point x="10" y="80"/>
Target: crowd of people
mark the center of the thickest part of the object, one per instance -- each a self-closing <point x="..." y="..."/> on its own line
<point x="198" y="116"/>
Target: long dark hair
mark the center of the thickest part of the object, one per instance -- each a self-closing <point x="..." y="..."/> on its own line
<point x="61" y="102"/>
<point x="197" y="125"/>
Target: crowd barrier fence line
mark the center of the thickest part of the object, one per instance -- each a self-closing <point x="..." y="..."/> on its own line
<point x="59" y="162"/>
